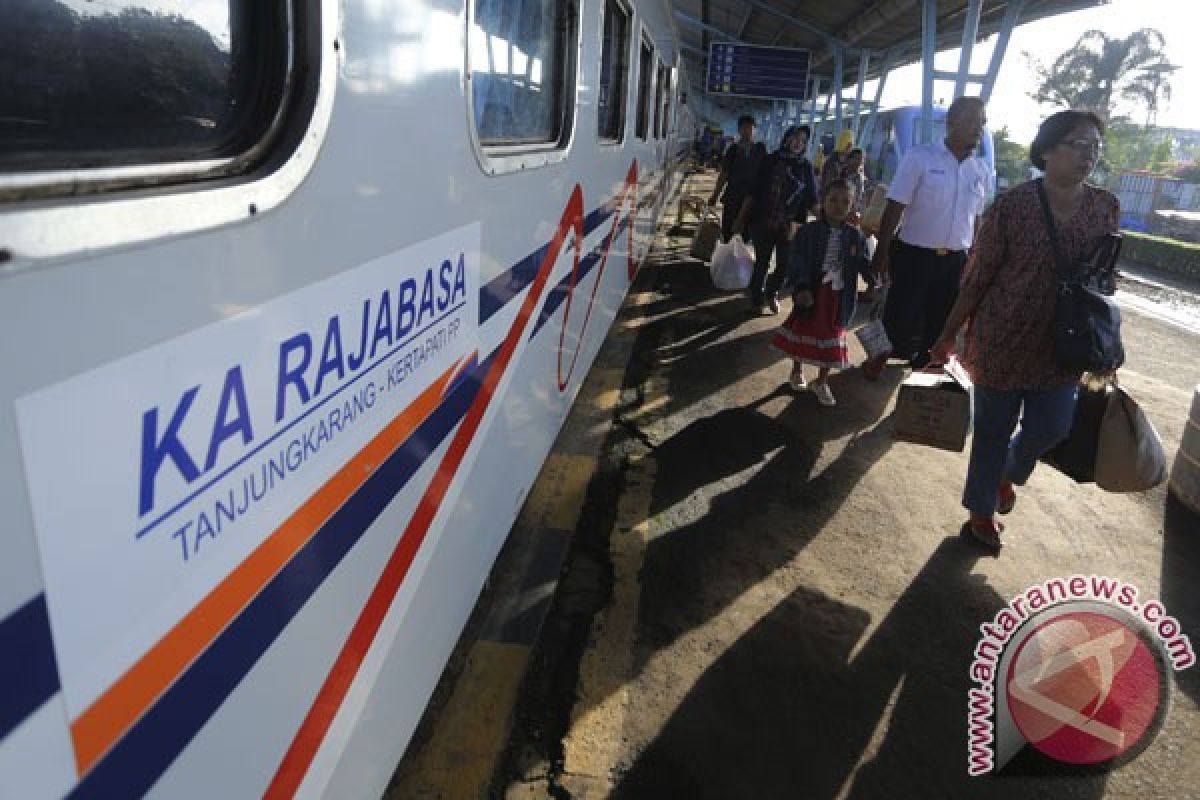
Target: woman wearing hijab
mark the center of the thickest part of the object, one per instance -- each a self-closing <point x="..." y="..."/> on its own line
<point x="777" y="205"/>
<point x="837" y="166"/>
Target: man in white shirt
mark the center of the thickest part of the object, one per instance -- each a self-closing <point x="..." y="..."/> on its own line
<point x="939" y="192"/>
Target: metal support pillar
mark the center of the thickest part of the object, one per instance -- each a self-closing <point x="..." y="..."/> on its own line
<point x="816" y="135"/>
<point x="864" y="63"/>
<point x="812" y="113"/>
<point x="928" y="51"/>
<point x="970" y="32"/>
<point x="1011" y="14"/>
<point x="884" y="71"/>
<point x="839" y="71"/>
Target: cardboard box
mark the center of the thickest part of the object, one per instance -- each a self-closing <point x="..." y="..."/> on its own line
<point x="934" y="408"/>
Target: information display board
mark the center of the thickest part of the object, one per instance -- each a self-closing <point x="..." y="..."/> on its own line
<point x="749" y="70"/>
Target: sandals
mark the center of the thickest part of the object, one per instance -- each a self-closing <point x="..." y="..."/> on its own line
<point x="986" y="531"/>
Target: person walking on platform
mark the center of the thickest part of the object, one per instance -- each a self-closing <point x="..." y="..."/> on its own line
<point x="936" y="198"/>
<point x="783" y="193"/>
<point x="837" y="165"/>
<point x="1007" y="300"/>
<point x="827" y="258"/>
<point x="739" y="168"/>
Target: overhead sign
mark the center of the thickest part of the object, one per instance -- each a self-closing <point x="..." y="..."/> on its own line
<point x="749" y="70"/>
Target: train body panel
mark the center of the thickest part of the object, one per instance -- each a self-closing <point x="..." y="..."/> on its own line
<point x="230" y="567"/>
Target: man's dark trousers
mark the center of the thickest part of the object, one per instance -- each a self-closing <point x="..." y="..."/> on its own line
<point x="924" y="288"/>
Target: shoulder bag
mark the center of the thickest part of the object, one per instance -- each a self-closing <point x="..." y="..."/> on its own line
<point x="1087" y="325"/>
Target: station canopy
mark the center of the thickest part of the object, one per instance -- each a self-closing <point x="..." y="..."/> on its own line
<point x="890" y="31"/>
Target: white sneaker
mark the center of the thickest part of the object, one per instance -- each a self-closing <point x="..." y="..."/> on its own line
<point x="796" y="379"/>
<point x="824" y="394"/>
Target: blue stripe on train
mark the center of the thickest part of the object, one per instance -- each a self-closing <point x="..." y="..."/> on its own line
<point x="28" y="668"/>
<point x="508" y="284"/>
<point x="161" y="734"/>
<point x="558" y="295"/>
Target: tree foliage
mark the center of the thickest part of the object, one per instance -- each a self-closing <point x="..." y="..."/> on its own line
<point x="1099" y="69"/>
<point x="1130" y="146"/>
<point x="1012" y="159"/>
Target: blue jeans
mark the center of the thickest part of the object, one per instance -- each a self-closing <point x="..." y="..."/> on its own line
<point x="1045" y="421"/>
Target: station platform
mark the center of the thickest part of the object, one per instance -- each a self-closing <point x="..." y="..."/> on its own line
<point x="721" y="589"/>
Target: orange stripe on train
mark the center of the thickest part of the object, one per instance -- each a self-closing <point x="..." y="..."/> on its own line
<point x="108" y="718"/>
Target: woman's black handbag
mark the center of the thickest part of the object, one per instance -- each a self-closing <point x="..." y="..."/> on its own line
<point x="1075" y="456"/>
<point x="1087" y="325"/>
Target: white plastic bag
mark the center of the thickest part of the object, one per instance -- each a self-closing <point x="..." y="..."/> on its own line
<point x="873" y="336"/>
<point x="732" y="265"/>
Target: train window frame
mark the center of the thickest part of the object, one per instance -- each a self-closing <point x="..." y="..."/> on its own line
<point x="91" y="209"/>
<point x="645" y="77"/>
<point x="67" y="179"/>
<point x="659" y="92"/>
<point x="624" y="51"/>
<point x="507" y="157"/>
<point x="664" y="76"/>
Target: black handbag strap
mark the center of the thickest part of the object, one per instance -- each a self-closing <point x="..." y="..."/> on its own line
<point x="1064" y="268"/>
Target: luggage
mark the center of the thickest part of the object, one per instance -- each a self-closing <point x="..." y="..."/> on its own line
<point x="1129" y="454"/>
<point x="1111" y="442"/>
<point x="1075" y="456"/>
<point x="732" y="265"/>
<point x="933" y="407"/>
<point x="708" y="233"/>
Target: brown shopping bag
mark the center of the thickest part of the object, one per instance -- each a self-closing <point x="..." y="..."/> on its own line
<point x="708" y="233"/>
<point x="1129" y="454"/>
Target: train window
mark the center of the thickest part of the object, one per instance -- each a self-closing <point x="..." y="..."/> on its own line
<point x="664" y="78"/>
<point x="521" y="67"/>
<point x="658" y="100"/>
<point x="614" y="73"/>
<point x="645" y="64"/>
<point x="131" y="83"/>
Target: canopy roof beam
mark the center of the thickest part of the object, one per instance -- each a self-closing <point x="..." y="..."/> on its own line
<point x="969" y="35"/>
<point x="829" y="38"/>
<point x="1011" y="14"/>
<point x="687" y="18"/>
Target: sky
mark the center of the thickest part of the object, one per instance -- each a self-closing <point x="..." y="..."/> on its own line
<point x="1178" y="20"/>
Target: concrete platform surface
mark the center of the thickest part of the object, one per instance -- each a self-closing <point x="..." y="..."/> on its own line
<point x="766" y="598"/>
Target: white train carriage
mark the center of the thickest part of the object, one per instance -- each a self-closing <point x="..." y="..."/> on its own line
<point x="294" y="298"/>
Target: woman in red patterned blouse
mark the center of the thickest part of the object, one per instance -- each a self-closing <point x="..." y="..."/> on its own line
<point x="1007" y="300"/>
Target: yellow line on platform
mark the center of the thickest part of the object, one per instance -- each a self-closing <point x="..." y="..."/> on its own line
<point x="471" y="732"/>
<point x="557" y="495"/>
<point x="590" y="748"/>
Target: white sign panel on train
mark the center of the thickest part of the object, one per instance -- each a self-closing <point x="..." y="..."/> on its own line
<point x="152" y="478"/>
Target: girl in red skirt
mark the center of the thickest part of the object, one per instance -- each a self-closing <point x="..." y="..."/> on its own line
<point x="827" y="257"/>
